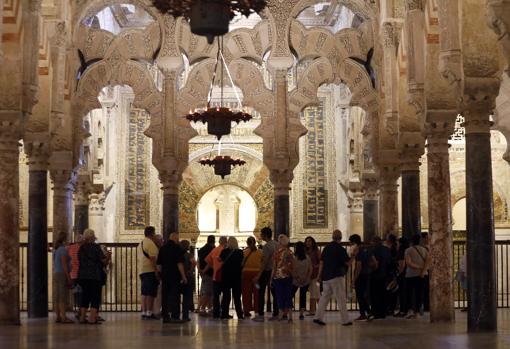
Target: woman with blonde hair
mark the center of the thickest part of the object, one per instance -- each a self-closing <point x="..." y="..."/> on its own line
<point x="90" y="276"/>
<point x="252" y="263"/>
<point x="281" y="277"/>
<point x="231" y="269"/>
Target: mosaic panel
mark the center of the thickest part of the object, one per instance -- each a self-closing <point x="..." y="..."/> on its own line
<point x="264" y="198"/>
<point x="188" y="201"/>
<point x="137" y="188"/>
<point x="315" y="196"/>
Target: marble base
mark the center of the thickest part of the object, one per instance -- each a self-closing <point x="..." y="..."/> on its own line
<point x="170" y="214"/>
<point x="480" y="235"/>
<point x="37" y="260"/>
<point x="411" y="213"/>
<point x="281" y="215"/>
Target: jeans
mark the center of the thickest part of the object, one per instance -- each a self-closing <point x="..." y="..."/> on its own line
<point x="333" y="288"/>
<point x="302" y="295"/>
<point x="170" y="300"/>
<point x="187" y="300"/>
<point x="378" y="297"/>
<point x="283" y="292"/>
<point x="263" y="283"/>
<point x="217" y="290"/>
<point x="415" y="293"/>
<point x="361" y="286"/>
<point x="402" y="295"/>
<point x="231" y="288"/>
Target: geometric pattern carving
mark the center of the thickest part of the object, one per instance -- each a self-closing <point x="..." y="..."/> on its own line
<point x="315" y="196"/>
<point x="137" y="179"/>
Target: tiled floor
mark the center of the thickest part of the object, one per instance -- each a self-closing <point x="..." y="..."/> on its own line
<point x="125" y="331"/>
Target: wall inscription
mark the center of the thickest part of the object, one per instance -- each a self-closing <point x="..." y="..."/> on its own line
<point x="315" y="196"/>
<point x="137" y="175"/>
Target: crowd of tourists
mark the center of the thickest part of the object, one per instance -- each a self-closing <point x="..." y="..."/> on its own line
<point x="82" y="268"/>
<point x="390" y="277"/>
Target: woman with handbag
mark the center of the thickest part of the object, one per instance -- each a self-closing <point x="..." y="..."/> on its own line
<point x="252" y="263"/>
<point x="417" y="261"/>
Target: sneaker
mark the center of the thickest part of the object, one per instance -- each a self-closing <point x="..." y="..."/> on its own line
<point x="361" y="318"/>
<point x="349" y="323"/>
<point x="370" y="317"/>
<point x="319" y="322"/>
<point x="258" y="318"/>
<point x="411" y="316"/>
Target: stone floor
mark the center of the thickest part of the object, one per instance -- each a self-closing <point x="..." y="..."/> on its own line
<point x="125" y="330"/>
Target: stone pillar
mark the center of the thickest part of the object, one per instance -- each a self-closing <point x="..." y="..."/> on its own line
<point x="96" y="216"/>
<point x="81" y="205"/>
<point x="281" y="181"/>
<point x="482" y="299"/>
<point x="63" y="185"/>
<point x="37" y="260"/>
<point x="370" y="210"/>
<point x="9" y="220"/>
<point x="389" y="199"/>
<point x="440" y="217"/>
<point x="411" y="213"/>
<point x="356" y="212"/>
<point x="170" y="205"/>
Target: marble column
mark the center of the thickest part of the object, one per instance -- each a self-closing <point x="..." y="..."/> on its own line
<point x="356" y="212"/>
<point x="370" y="209"/>
<point x="37" y="260"/>
<point x="440" y="221"/>
<point x="411" y="213"/>
<point x="170" y="207"/>
<point x="63" y="185"/>
<point x="482" y="299"/>
<point x="281" y="213"/>
<point x="389" y="200"/>
<point x="81" y="207"/>
<point x="9" y="222"/>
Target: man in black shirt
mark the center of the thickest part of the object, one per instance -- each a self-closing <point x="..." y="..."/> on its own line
<point x="171" y="262"/>
<point x="332" y="271"/>
<point x="206" y="286"/>
<point x="381" y="257"/>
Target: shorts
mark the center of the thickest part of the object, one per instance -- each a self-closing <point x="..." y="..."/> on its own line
<point x="149" y="284"/>
<point x="60" y="289"/>
<point x="206" y="287"/>
<point x="313" y="288"/>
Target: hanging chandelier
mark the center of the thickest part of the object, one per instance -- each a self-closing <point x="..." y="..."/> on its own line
<point x="222" y="164"/>
<point x="219" y="119"/>
<point x="209" y="18"/>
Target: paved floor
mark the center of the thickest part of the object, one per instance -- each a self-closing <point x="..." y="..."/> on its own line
<point x="125" y="331"/>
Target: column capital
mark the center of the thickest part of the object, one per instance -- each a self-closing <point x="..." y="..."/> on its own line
<point x="498" y="13"/>
<point x="37" y="150"/>
<point x="82" y="189"/>
<point x="370" y="188"/>
<point x="412" y="5"/>
<point x="96" y="204"/>
<point x="478" y="102"/>
<point x="281" y="179"/>
<point x="438" y="129"/>
<point x="170" y="181"/>
<point x="355" y="197"/>
<point x="63" y="181"/>
<point x="412" y="146"/>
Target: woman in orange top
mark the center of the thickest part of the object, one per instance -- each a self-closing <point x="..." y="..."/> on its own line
<point x="252" y="263"/>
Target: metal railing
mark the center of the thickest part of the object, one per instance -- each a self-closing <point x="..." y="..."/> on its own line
<point x="122" y="290"/>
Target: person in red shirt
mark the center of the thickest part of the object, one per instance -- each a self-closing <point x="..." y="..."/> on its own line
<point x="214" y="262"/>
<point x="72" y="250"/>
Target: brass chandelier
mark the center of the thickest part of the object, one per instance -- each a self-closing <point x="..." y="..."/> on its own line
<point x="209" y="18"/>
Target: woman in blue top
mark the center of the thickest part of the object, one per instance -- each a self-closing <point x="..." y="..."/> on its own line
<point x="61" y="278"/>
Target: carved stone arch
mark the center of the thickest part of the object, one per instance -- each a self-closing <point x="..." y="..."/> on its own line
<point x="249" y="43"/>
<point x="85" y="9"/>
<point x="356" y="78"/>
<point x="93" y="43"/>
<point x="364" y="9"/>
<point x="195" y="47"/>
<point x="249" y="79"/>
<point x="194" y="93"/>
<point x="131" y="73"/>
<point x="313" y="43"/>
<point x="137" y="43"/>
<point x="305" y="94"/>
